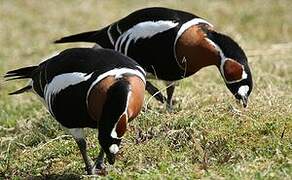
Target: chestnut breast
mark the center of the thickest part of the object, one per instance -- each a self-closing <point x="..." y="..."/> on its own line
<point x="193" y="51"/>
<point x="137" y="96"/>
<point x="97" y="97"/>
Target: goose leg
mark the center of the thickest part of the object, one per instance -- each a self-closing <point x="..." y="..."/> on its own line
<point x="100" y="160"/>
<point x="99" y="164"/>
<point x="154" y="91"/>
<point x="169" y="91"/>
<point x="78" y="135"/>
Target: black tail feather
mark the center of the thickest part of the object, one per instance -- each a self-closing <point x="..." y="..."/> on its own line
<point x="22" y="90"/>
<point x="21" y="73"/>
<point x="15" y="78"/>
<point x="91" y="36"/>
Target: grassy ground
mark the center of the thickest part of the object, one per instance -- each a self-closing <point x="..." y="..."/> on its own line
<point x="207" y="136"/>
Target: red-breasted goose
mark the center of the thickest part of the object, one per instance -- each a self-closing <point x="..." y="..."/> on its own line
<point x="88" y="88"/>
<point x="171" y="45"/>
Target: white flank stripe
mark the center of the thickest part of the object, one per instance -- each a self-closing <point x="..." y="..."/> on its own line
<point x="109" y="35"/>
<point x="118" y="29"/>
<point x="183" y="28"/>
<point x="121" y="40"/>
<point x="143" y="30"/>
<point x="61" y="82"/>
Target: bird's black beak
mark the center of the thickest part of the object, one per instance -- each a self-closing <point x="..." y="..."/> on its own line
<point x="244" y="100"/>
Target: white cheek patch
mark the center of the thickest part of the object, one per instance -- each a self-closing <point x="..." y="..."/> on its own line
<point x="114" y="149"/>
<point x="243" y="90"/>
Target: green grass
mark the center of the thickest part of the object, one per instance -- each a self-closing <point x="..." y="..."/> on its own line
<point x="207" y="135"/>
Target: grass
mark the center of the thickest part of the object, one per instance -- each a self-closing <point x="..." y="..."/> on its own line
<point x="207" y="135"/>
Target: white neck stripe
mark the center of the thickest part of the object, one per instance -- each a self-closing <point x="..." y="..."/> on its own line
<point x="222" y="61"/>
